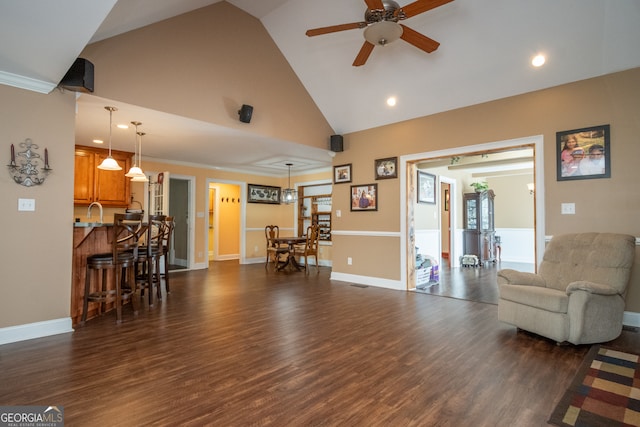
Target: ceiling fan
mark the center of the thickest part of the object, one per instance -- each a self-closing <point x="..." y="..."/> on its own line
<point x="381" y="26"/>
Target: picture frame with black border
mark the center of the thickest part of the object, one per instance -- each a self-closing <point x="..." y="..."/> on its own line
<point x="364" y="197"/>
<point x="426" y="188"/>
<point x="268" y="194"/>
<point x="583" y="153"/>
<point x="342" y="174"/>
<point x="386" y="168"/>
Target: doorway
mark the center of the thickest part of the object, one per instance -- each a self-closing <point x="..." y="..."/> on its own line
<point x="169" y="194"/>
<point x="224" y="224"/>
<point x="409" y="165"/>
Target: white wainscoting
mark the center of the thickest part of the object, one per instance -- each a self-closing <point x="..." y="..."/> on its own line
<point x="518" y="244"/>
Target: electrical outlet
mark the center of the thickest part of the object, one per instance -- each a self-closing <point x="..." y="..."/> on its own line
<point x="349" y="261"/>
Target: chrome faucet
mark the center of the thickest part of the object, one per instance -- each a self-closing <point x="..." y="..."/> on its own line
<point x="99" y="207"/>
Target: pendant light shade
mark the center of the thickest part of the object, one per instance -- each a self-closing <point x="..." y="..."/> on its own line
<point x="110" y="164"/>
<point x="141" y="177"/>
<point x="289" y="195"/>
<point x="135" y="169"/>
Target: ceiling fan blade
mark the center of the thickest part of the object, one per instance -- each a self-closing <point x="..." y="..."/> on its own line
<point x="374" y="4"/>
<point x="363" y="55"/>
<point x="418" y="40"/>
<point x="335" y="28"/>
<point x="420" y="6"/>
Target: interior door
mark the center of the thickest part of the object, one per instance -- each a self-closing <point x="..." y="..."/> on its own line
<point x="159" y="193"/>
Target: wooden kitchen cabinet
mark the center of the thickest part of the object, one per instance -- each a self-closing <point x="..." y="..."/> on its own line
<point x="110" y="188"/>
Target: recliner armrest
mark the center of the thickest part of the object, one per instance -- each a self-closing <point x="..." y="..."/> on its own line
<point x="514" y="277"/>
<point x="591" y="287"/>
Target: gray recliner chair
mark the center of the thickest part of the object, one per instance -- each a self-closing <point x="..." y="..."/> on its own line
<point x="577" y="295"/>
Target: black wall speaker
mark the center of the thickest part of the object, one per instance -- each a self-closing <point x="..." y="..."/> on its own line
<point x="336" y="143"/>
<point x="79" y="78"/>
<point x="245" y="113"/>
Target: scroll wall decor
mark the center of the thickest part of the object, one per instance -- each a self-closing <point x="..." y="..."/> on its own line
<point x="27" y="167"/>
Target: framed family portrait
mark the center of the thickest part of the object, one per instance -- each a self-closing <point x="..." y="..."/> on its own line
<point x="583" y="153"/>
<point x="426" y="188"/>
<point x="364" y="197"/>
<point x="386" y="168"/>
<point x="342" y="174"/>
<point x="263" y="194"/>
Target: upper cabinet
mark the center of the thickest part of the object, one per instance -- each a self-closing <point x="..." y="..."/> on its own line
<point x="110" y="188"/>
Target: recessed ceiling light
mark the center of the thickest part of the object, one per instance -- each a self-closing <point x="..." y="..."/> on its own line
<point x="98" y="141"/>
<point x="391" y="101"/>
<point x="538" y="60"/>
<point x="123" y="126"/>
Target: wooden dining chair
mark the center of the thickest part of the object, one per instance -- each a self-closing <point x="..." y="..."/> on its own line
<point x="274" y="250"/>
<point x="310" y="248"/>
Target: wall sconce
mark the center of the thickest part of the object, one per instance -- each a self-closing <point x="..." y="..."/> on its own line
<point x="531" y="187"/>
<point x="29" y="172"/>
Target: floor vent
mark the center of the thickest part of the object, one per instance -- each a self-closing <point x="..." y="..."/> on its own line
<point x="630" y="328"/>
<point x="359" y="286"/>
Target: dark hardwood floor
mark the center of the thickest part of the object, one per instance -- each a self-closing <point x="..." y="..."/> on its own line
<point x="239" y="346"/>
<point x="471" y="283"/>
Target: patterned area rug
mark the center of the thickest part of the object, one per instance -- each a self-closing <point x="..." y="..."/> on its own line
<point x="605" y="391"/>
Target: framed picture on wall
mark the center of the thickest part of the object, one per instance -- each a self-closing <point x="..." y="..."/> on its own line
<point x="583" y="153"/>
<point x="426" y="188"/>
<point x="364" y="197"/>
<point x="263" y="194"/>
<point x="386" y="168"/>
<point x="342" y="174"/>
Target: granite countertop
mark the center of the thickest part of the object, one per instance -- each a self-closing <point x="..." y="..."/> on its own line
<point x="91" y="224"/>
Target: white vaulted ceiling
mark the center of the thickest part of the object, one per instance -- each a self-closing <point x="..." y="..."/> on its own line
<point x="485" y="53"/>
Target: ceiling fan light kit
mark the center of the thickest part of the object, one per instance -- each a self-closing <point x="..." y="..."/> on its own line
<point x="381" y="26"/>
<point x="383" y="33"/>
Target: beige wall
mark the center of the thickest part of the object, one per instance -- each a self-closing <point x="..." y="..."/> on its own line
<point x="608" y="205"/>
<point x="36" y="246"/>
<point x="204" y="65"/>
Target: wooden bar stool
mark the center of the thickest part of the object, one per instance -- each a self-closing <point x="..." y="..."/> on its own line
<point x="126" y="232"/>
<point x="147" y="268"/>
<point x="166" y="248"/>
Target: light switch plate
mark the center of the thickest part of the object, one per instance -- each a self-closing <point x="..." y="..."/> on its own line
<point x="568" y="209"/>
<point x="26" y="204"/>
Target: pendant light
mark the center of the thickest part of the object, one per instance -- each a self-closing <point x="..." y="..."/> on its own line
<point x="135" y="169"/>
<point x="110" y="164"/>
<point x="142" y="177"/>
<point x="289" y="195"/>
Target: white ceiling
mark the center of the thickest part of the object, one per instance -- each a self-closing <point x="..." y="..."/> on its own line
<point x="485" y="52"/>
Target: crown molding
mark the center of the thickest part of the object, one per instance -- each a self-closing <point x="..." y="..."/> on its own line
<point x="27" y="83"/>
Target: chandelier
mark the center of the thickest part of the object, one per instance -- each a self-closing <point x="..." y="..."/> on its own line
<point x="289" y="195"/>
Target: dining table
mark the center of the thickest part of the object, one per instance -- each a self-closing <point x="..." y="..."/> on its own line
<point x="291" y="259"/>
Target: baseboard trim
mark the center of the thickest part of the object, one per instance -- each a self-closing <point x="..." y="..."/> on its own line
<point x="631" y="318"/>
<point x="35" y="330"/>
<point x="367" y="280"/>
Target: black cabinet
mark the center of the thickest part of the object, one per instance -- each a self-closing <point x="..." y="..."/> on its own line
<point x="479" y="234"/>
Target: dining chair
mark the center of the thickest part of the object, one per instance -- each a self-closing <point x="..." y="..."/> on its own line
<point x="274" y="250"/>
<point x="310" y="247"/>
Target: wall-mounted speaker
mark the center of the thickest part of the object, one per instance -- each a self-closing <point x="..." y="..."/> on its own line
<point x="245" y="113"/>
<point x="79" y="78"/>
<point x="336" y="143"/>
